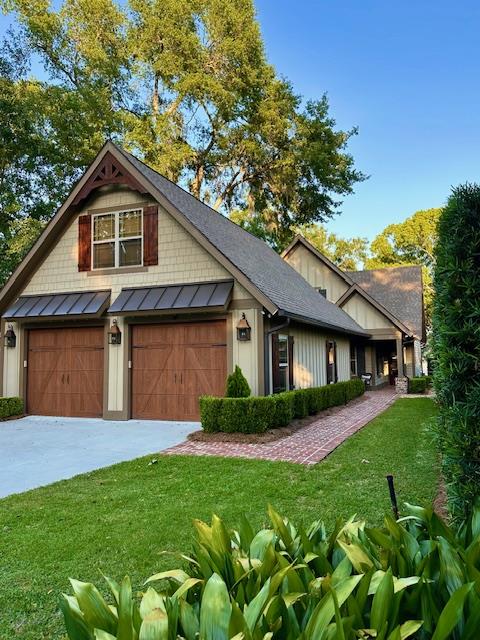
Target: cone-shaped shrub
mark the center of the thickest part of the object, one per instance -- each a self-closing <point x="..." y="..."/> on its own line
<point x="237" y="385"/>
<point x="456" y="331"/>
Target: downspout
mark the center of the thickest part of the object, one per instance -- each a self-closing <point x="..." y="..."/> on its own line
<point x="266" y="352"/>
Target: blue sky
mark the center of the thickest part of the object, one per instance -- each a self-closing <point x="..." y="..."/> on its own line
<point x="407" y="74"/>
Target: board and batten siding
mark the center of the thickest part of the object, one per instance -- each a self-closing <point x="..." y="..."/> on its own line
<point x="366" y="315"/>
<point x="309" y="356"/>
<point x="316" y="273"/>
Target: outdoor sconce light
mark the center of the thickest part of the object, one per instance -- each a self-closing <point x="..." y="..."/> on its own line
<point x="114" y="334"/>
<point x="10" y="337"/>
<point x="243" y="329"/>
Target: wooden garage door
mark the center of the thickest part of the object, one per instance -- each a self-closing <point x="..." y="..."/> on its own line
<point x="65" y="372"/>
<point x="174" y="364"/>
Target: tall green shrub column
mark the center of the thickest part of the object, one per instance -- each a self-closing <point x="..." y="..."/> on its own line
<point x="456" y="333"/>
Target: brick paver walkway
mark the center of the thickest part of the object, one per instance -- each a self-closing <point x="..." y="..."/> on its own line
<point x="308" y="445"/>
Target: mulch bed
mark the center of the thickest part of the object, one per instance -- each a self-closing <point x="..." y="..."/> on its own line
<point x="22" y="415"/>
<point x="271" y="435"/>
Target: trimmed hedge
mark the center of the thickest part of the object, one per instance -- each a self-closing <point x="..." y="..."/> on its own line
<point x="417" y="385"/>
<point x="258" y="414"/>
<point x="10" y="407"/>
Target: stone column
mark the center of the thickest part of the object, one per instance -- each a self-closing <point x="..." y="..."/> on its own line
<point x="401" y="382"/>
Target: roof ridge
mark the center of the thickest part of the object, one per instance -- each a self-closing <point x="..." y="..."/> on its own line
<point x="400" y="266"/>
<point x="175" y="184"/>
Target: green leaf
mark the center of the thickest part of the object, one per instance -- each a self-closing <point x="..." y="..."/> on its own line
<point x="215" y="610"/>
<point x="325" y="609"/>
<point x="382" y="602"/>
<point x="151" y="600"/>
<point x="451" y="613"/>
<point x="77" y="628"/>
<point x="175" y="574"/>
<point x="188" y="584"/>
<point x="256" y="606"/>
<point x="188" y="620"/>
<point x="154" y="626"/>
<point x="95" y="610"/>
<point x="103" y="635"/>
<point x="125" y="611"/>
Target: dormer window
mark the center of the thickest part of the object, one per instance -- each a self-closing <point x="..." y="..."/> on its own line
<point x="117" y="239"/>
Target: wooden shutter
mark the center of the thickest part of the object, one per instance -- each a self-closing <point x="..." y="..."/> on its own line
<point x="275" y="364"/>
<point x="150" y="236"/>
<point x="291" y="342"/>
<point x="84" y="243"/>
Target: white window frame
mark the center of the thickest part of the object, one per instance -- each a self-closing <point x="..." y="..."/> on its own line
<point x="116" y="239"/>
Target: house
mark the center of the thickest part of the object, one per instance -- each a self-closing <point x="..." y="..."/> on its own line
<point x="138" y="298"/>
<point x="387" y="303"/>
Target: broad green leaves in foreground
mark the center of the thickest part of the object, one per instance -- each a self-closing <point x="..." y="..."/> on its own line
<point x="415" y="578"/>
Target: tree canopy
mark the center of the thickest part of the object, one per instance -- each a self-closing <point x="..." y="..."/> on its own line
<point x="184" y="85"/>
<point x="409" y="242"/>
<point x="347" y="253"/>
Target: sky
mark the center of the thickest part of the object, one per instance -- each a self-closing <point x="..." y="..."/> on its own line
<point x="406" y="74"/>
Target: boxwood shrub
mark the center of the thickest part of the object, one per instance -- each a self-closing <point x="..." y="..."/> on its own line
<point x="10" y="407"/>
<point x="417" y="385"/>
<point x="258" y="414"/>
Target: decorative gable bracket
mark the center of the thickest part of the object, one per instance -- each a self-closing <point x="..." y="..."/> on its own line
<point x="109" y="171"/>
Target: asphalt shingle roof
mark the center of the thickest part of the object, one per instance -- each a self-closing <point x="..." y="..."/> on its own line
<point x="276" y="279"/>
<point x="399" y="290"/>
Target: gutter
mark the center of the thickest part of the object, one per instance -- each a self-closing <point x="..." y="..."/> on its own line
<point x="323" y="325"/>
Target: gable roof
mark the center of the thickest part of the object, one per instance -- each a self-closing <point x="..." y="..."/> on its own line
<point x="299" y="239"/>
<point x="257" y="266"/>
<point x="399" y="290"/>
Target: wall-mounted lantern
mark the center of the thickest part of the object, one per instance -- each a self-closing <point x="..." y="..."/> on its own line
<point x="10" y="337"/>
<point x="114" y="334"/>
<point x="243" y="329"/>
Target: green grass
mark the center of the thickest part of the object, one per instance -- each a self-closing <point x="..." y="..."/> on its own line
<point x="118" y="520"/>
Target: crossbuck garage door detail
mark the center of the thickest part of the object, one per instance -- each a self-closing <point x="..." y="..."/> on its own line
<point x="174" y="364"/>
<point x="65" y="372"/>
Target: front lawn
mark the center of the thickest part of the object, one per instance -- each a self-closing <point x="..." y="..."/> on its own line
<point x="118" y="520"/>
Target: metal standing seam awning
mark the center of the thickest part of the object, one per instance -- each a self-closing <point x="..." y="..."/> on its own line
<point x="84" y="304"/>
<point x="211" y="296"/>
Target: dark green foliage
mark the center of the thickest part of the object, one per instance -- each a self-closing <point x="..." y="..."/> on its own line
<point x="10" y="407"/>
<point x="456" y="347"/>
<point x="283" y="409"/>
<point x="257" y="414"/>
<point x="428" y="381"/>
<point x="237" y="385"/>
<point x="417" y="385"/>
<point x="300" y="403"/>
<point x="411" y="578"/>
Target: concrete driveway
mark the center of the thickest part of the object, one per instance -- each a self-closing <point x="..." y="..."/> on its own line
<point x="37" y="450"/>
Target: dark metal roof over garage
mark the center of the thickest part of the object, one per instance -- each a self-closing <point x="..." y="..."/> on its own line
<point x="89" y="304"/>
<point x="174" y="297"/>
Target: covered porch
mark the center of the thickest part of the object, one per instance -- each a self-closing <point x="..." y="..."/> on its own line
<point x="386" y="357"/>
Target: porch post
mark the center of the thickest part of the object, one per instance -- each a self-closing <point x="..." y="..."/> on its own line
<point x="401" y="373"/>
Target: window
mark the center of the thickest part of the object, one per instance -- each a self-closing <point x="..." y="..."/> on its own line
<point x="282" y="359"/>
<point x="353" y="360"/>
<point x="117" y="239"/>
<point x="283" y="362"/>
<point x="322" y="292"/>
<point x="332" y="375"/>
